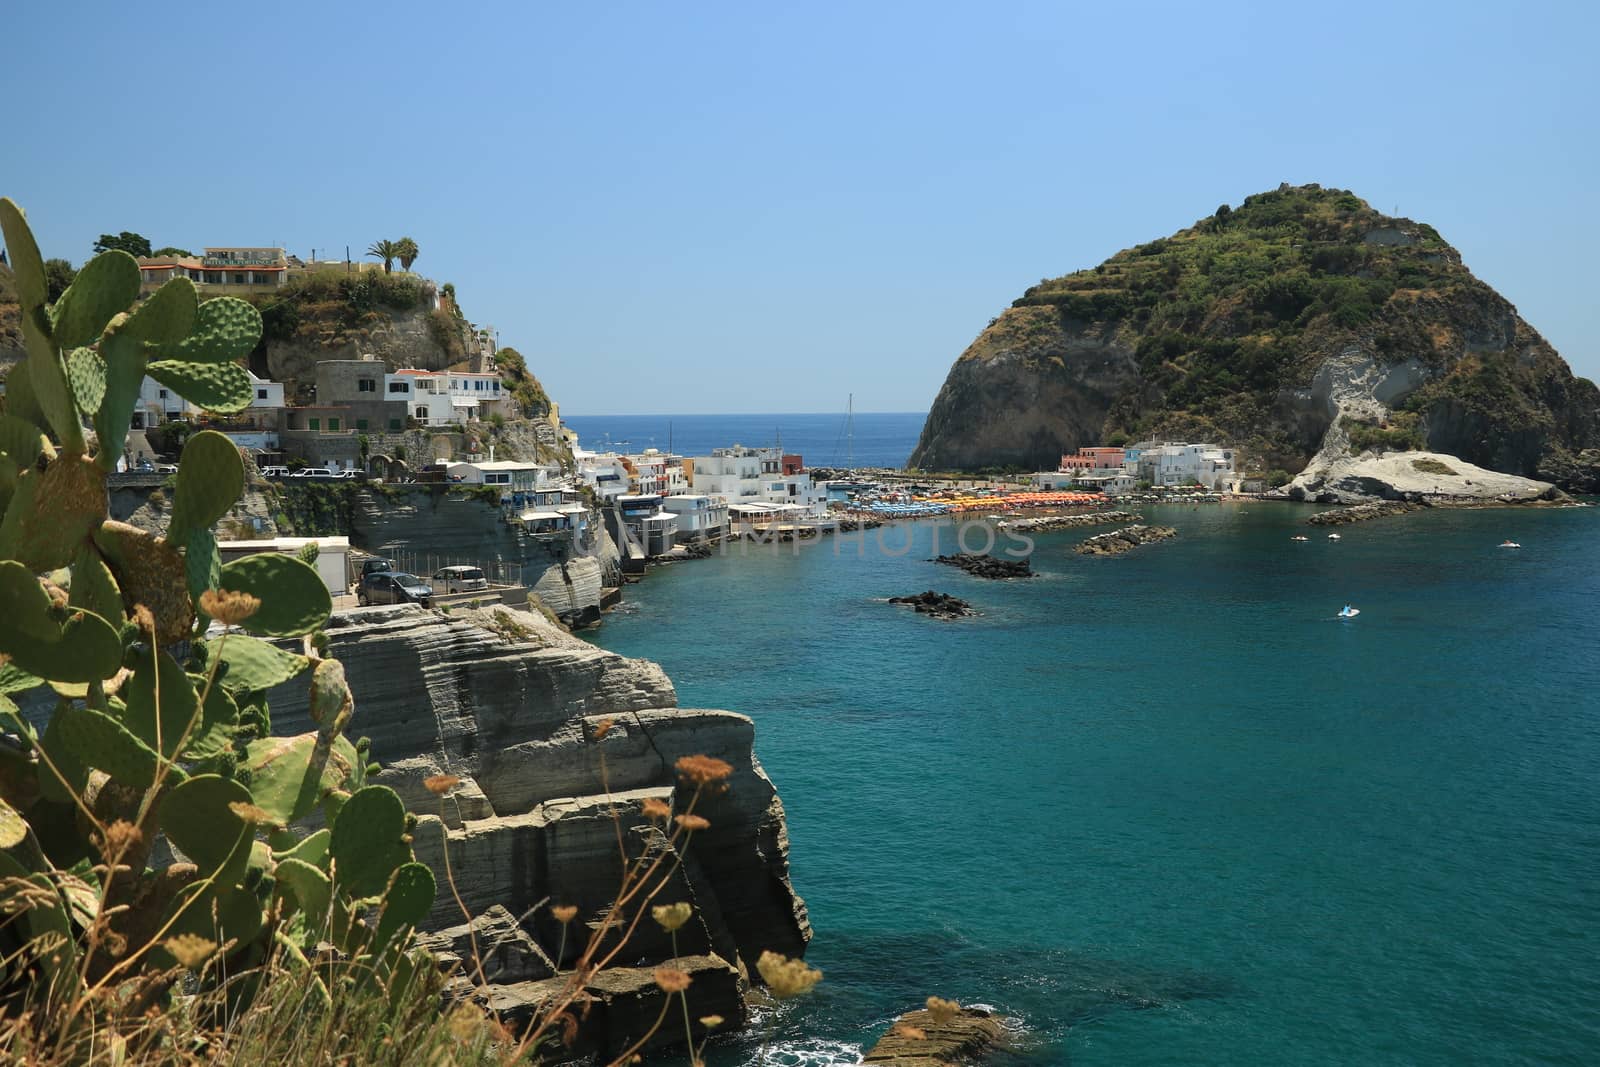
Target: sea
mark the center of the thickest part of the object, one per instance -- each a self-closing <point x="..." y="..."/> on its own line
<point x="837" y="439"/>
<point x="1167" y="807"/>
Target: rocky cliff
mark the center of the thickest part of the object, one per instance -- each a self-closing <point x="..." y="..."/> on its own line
<point x="511" y="704"/>
<point x="1301" y="322"/>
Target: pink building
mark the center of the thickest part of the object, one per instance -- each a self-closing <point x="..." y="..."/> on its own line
<point x="1092" y="459"/>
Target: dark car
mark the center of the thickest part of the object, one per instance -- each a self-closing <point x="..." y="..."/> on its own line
<point x="393" y="587"/>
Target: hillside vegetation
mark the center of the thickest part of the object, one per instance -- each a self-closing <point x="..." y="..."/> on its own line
<point x="1219" y="330"/>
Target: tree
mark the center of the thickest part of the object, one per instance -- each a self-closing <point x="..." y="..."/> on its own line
<point x="135" y="244"/>
<point x="58" y="274"/>
<point x="406" y="251"/>
<point x="171" y="251"/>
<point x="388" y="251"/>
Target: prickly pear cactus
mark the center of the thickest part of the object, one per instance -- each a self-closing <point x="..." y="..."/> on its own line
<point x="135" y="696"/>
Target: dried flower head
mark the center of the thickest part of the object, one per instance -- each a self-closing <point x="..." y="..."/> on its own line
<point x="703" y="770"/>
<point x="252" y="814"/>
<point x="908" y="1031"/>
<point x="691" y="823"/>
<point x="603" y="727"/>
<point x="190" y="950"/>
<point x="119" y="837"/>
<point x="671" y="980"/>
<point x="785" y="977"/>
<point x="672" y="916"/>
<point x="440" y="784"/>
<point x="943" y="1010"/>
<point x="228" y="606"/>
<point x="655" y="808"/>
<point x="564" y="913"/>
<point x="19" y="894"/>
<point x="711" y="1022"/>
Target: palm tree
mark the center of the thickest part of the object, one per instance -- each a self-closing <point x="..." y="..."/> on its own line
<point x="406" y="250"/>
<point x="388" y="251"/>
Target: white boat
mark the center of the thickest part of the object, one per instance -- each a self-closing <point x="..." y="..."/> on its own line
<point x="1509" y="544"/>
<point x="1334" y="537"/>
<point x="1299" y="537"/>
<point x="1348" y="612"/>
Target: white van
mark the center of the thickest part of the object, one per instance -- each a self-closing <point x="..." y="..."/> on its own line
<point x="460" y="579"/>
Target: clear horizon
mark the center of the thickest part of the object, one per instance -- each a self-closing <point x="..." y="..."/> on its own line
<point x="724" y="209"/>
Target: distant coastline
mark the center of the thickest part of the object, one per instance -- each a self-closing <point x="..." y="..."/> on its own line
<point x="880" y="439"/>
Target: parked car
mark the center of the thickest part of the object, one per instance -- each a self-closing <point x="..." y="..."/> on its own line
<point x="393" y="587"/>
<point x="312" y="472"/>
<point x="274" y="472"/>
<point x="461" y="579"/>
<point x="374" y="565"/>
<point x="166" y="468"/>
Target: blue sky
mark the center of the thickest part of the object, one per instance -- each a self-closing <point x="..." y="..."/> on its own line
<point x="742" y="207"/>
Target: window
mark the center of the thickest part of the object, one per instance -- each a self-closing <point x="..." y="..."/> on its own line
<point x="163" y="394"/>
<point x="497" y="386"/>
<point x="333" y="425"/>
<point x="361" y="424"/>
<point x="366" y="385"/>
<point x="394" y="424"/>
<point x="261" y="394"/>
<point x="314" y="424"/>
<point x="399" y="387"/>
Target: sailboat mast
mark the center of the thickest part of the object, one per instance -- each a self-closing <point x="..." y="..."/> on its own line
<point x="850" y="432"/>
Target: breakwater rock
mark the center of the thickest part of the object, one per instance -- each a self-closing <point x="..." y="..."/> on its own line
<point x="1046" y="523"/>
<point x="514" y="707"/>
<point x="1119" y="541"/>
<point x="939" y="605"/>
<point x="989" y="566"/>
<point x="922" y="1039"/>
<point x="1363" y="512"/>
<point x="1424" y="477"/>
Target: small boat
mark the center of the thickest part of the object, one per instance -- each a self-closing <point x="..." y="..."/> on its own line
<point x="1509" y="544"/>
<point x="1348" y="612"/>
<point x="1334" y="537"/>
<point x="1299" y="537"/>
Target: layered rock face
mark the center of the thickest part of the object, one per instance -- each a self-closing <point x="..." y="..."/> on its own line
<point x="1301" y="324"/>
<point x="513" y="706"/>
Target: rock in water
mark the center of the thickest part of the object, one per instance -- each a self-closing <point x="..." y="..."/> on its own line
<point x="939" y="605"/>
<point x="989" y="566"/>
<point x="1119" y="541"/>
<point x="920" y="1039"/>
<point x="1301" y="322"/>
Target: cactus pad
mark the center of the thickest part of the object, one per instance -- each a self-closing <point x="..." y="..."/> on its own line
<point x="369" y="840"/>
<point x="156" y="672"/>
<point x="196" y="818"/>
<point x="93" y="588"/>
<point x="286" y="777"/>
<point x="210" y="479"/>
<point x="23" y="253"/>
<point x="64" y="645"/>
<point x="150" y="572"/>
<point x="308" y="887"/>
<point x="202" y="562"/>
<point x="86" y="373"/>
<point x="294" y="600"/>
<point x="106" y="285"/>
<point x="225" y="329"/>
<point x="98" y="740"/>
<point x="253" y="665"/>
<point x="406" y="901"/>
<point x="166" y="316"/>
<point x="219" y="387"/>
<point x="52" y="512"/>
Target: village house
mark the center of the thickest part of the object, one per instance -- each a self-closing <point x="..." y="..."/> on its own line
<point x="700" y="517"/>
<point x="228" y="269"/>
<point x="740" y="475"/>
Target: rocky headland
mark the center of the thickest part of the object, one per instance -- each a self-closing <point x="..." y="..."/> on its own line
<point x="939" y="605"/>
<point x="925" y="1038"/>
<point x="1302" y="327"/>
<point x="556" y="745"/>
<point x="1418" y="477"/>
<point x="1124" y="540"/>
<point x="989" y="566"/>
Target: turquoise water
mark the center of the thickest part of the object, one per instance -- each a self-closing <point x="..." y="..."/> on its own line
<point x="1164" y="808"/>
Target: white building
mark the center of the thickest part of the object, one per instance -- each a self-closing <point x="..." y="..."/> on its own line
<point x="451" y="397"/>
<point x="700" y="517"/>
<point x="654" y="471"/>
<point x="158" y="404"/>
<point x="740" y="475"/>
<point x="1172" y="463"/>
<point x="604" y="472"/>
<point x="513" y="476"/>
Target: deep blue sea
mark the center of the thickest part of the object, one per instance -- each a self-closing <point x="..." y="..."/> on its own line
<point x="1165" y="808"/>
<point x="879" y="439"/>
